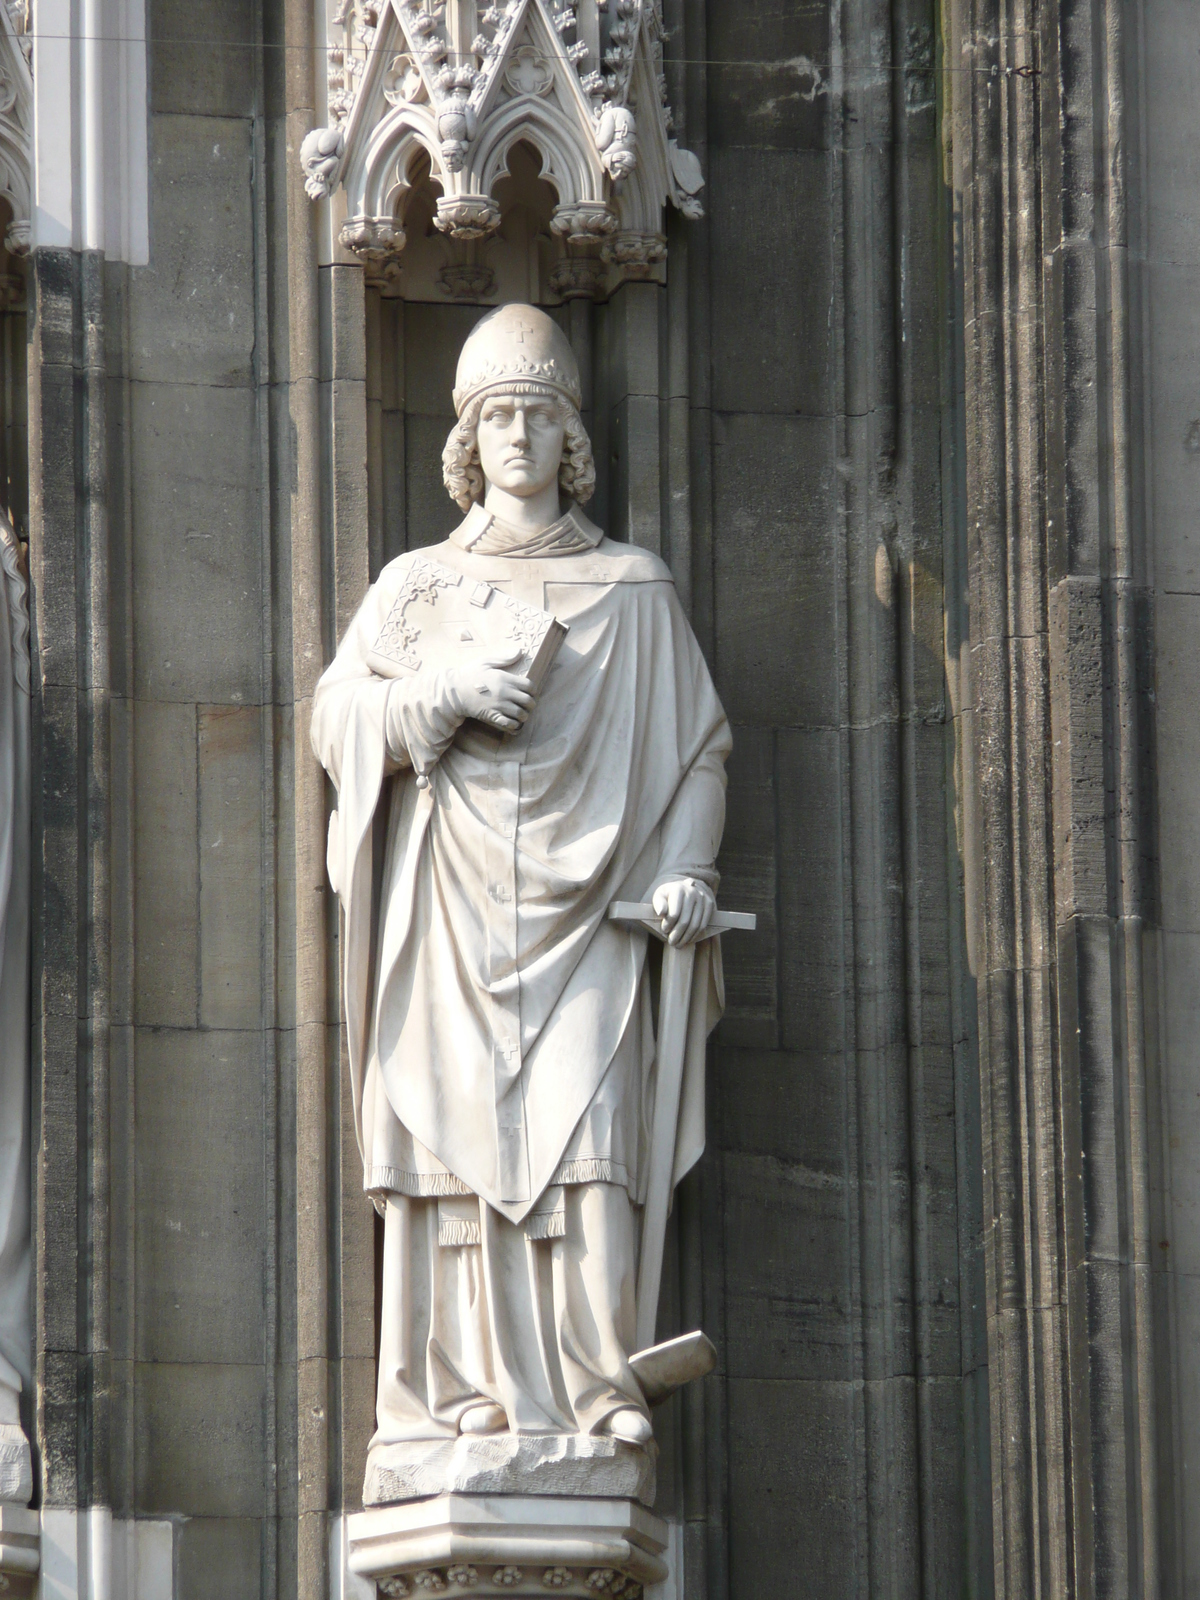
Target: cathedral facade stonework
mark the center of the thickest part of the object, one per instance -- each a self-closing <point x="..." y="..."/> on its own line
<point x="702" y="1107"/>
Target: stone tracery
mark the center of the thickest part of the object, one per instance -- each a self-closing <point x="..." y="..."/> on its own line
<point x="16" y="122"/>
<point x="459" y="84"/>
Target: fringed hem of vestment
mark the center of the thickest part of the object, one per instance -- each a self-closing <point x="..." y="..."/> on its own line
<point x="591" y="1169"/>
<point x="545" y="1225"/>
<point x="415" y="1185"/>
<point x="434" y="1185"/>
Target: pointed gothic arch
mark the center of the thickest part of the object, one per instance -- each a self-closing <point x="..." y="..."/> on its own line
<point x="584" y="87"/>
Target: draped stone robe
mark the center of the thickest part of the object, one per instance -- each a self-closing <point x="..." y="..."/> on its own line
<point x="16" y="1482"/>
<point x="500" y="1042"/>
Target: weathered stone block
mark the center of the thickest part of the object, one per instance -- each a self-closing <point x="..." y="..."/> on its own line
<point x="199" y="1439"/>
<point x="748" y="883"/>
<point x="787" y="1105"/>
<point x="197" y="559"/>
<point x="794" y="1512"/>
<point x="347" y="351"/>
<point x="200" y="1176"/>
<point x="1181" y="1026"/>
<point x="53" y="553"/>
<point x="230" y="779"/>
<point x="512" y="1464"/>
<point x="634" y="506"/>
<point x="765" y="257"/>
<point x="775" y="574"/>
<point x="812" y="891"/>
<point x="192" y="308"/>
<point x="166" y="867"/>
<point x="58" y="880"/>
<point x="1178" y="692"/>
<point x="632" y="341"/>
<point x="1174" y="288"/>
<point x="433" y="336"/>
<point x="220" y="1558"/>
<point x="787" y="1256"/>
<point x="202" y="58"/>
<point x="430" y="513"/>
<point x="769" y="76"/>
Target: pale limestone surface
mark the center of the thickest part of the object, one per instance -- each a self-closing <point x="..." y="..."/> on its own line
<point x="504" y="1071"/>
<point x="510" y="1545"/>
<point x="16" y="1479"/>
<point x="508" y="1463"/>
<point x="538" y="68"/>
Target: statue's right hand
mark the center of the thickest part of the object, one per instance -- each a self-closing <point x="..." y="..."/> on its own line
<point x="491" y="693"/>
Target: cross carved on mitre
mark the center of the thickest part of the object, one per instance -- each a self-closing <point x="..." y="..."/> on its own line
<point x="521" y="328"/>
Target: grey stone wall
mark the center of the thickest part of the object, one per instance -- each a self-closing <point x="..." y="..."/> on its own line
<point x="1164" y="274"/>
<point x="225" y="445"/>
<point x="842" y="1179"/>
<point x="1057" y="694"/>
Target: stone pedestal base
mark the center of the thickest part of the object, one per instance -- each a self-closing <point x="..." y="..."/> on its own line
<point x="510" y="1463"/>
<point x="468" y="1547"/>
<point x="20" y="1550"/>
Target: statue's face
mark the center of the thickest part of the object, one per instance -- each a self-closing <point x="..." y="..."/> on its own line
<point x="520" y="442"/>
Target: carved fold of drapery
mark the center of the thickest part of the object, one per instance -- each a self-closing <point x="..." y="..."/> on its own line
<point x="462" y="83"/>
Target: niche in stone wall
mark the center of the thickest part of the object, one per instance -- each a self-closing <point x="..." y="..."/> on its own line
<point x="516" y="263"/>
<point x="422" y="304"/>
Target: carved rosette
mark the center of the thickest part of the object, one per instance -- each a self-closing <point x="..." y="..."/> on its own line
<point x="580" y="80"/>
<point x="511" y="1582"/>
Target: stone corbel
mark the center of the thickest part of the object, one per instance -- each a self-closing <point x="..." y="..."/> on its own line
<point x="377" y="241"/>
<point x="467" y="216"/>
<point x="578" y="278"/>
<point x="635" y="253"/>
<point x="516" y="1546"/>
<point x="585" y="222"/>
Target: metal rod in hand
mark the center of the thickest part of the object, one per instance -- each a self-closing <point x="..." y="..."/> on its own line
<point x="675" y="1020"/>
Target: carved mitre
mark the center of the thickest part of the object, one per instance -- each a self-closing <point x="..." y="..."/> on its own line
<point x="512" y="349"/>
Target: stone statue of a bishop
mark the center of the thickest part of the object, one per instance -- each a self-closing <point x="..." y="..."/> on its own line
<point x="16" y="1480"/>
<point x="501" y="1037"/>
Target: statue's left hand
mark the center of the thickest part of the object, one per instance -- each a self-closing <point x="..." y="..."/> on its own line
<point x="685" y="908"/>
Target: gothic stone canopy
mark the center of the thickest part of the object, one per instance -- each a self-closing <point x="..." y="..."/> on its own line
<point x="457" y="85"/>
<point x="16" y="124"/>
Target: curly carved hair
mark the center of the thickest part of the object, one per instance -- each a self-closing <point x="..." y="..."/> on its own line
<point x="463" y="476"/>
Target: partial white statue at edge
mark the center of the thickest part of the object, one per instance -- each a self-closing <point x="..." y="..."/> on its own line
<point x="501" y="1038"/>
<point x="16" y="1482"/>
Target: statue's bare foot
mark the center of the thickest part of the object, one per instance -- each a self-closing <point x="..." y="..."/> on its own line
<point x="630" y="1425"/>
<point x="486" y="1417"/>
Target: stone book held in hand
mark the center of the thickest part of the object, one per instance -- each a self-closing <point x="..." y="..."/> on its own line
<point x="440" y="618"/>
